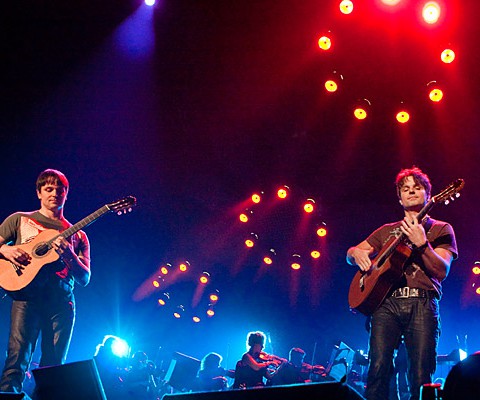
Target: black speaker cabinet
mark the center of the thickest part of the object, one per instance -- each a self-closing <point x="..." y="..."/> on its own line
<point x="306" y="391"/>
<point x="11" y="396"/>
<point x="74" y="381"/>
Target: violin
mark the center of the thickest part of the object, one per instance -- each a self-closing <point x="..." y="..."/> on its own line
<point x="313" y="369"/>
<point x="271" y="357"/>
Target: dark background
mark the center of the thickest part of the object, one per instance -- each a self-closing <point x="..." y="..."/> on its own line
<point x="191" y="106"/>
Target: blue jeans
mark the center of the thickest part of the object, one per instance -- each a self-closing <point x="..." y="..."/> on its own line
<point x="415" y="319"/>
<point x="54" y="317"/>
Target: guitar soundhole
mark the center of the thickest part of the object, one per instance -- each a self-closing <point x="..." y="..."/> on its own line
<point x="42" y="249"/>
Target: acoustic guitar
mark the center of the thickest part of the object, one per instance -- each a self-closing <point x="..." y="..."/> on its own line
<point x="14" y="277"/>
<point x="369" y="289"/>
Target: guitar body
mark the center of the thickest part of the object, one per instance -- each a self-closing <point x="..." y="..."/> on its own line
<point x="13" y="278"/>
<point x="369" y="289"/>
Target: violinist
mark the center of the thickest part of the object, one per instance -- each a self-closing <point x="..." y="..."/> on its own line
<point x="255" y="367"/>
<point x="295" y="370"/>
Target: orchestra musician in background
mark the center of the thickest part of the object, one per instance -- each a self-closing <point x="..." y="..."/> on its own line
<point x="212" y="376"/>
<point x="295" y="370"/>
<point x="255" y="365"/>
<point x="411" y="309"/>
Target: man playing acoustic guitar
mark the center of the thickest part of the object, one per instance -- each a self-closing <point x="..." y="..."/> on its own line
<point x="47" y="304"/>
<point x="411" y="308"/>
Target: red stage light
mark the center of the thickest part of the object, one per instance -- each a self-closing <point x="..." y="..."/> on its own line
<point x="346" y="7"/>
<point x="391" y="2"/>
<point x="282" y="193"/>
<point x="315" y="254"/>
<point x="204" y="278"/>
<point x="309" y="206"/>
<point x="360" y="113"/>
<point x="431" y="12"/>
<point x="436" y="95"/>
<point x="243" y="217"/>
<point x="331" y="86"/>
<point x="295" y="266"/>
<point x="447" y="56"/>
<point x="325" y="43"/>
<point x="256" y="198"/>
<point x="210" y="312"/>
<point x="402" y="117"/>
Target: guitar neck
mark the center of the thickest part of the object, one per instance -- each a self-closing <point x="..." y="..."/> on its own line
<point x="82" y="223"/>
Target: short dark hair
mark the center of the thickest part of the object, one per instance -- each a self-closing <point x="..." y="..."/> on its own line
<point x="419" y="177"/>
<point x="52" y="176"/>
<point x="296" y="352"/>
<point x="256" y="338"/>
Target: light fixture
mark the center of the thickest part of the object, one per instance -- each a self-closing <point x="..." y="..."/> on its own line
<point x="204" y="278"/>
<point x="163" y="299"/>
<point x="269" y="257"/>
<point x="251" y="240"/>
<point x="184" y="266"/>
<point x="295" y="263"/>
<point x="431" y="12"/>
<point x="361" y="109"/>
<point x="283" y="192"/>
<point x="322" y="230"/>
<point x="447" y="56"/>
<point x="402" y="115"/>
<point x="346" y="6"/>
<point x="309" y="206"/>
<point x="435" y="92"/>
<point x="332" y="83"/>
<point x="325" y="41"/>
<point x="257" y="197"/>
<point x="179" y="311"/>
<point x="245" y="216"/>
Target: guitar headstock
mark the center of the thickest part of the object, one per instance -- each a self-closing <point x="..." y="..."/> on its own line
<point x="122" y="206"/>
<point x="451" y="192"/>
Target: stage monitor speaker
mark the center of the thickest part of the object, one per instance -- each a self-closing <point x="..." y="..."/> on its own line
<point x="11" y="396"/>
<point x="305" y="391"/>
<point x="74" y="381"/>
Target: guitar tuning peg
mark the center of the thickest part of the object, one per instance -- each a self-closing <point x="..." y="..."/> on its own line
<point x="119" y="212"/>
<point x="457" y="195"/>
<point x="447" y="202"/>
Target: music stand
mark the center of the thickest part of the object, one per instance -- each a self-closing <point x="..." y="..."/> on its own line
<point x="182" y="372"/>
<point x="340" y="362"/>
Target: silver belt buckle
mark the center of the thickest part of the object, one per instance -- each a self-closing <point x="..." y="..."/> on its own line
<point x="405" y="293"/>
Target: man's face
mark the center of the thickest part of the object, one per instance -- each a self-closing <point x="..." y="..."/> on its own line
<point x="52" y="196"/>
<point x="412" y="195"/>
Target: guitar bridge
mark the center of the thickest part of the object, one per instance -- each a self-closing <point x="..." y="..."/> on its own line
<point x="18" y="270"/>
<point x="361" y="283"/>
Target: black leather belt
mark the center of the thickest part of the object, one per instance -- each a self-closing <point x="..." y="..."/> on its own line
<point x="406" y="292"/>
